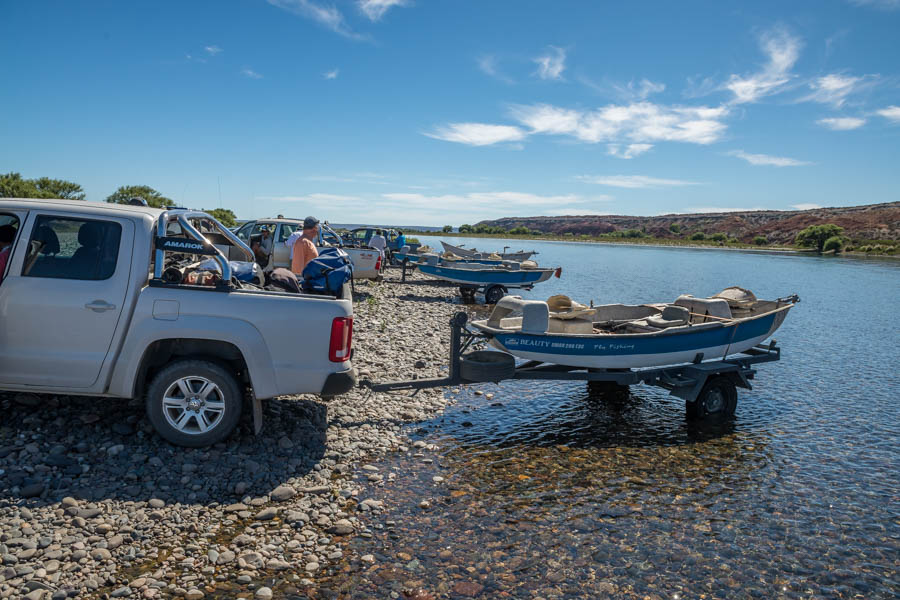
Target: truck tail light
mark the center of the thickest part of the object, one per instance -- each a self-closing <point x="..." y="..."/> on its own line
<point x="378" y="263"/>
<point x="341" y="339"/>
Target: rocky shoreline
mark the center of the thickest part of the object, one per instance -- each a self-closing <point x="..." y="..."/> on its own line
<point x="93" y="504"/>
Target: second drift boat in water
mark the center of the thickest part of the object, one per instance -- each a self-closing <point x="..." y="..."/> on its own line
<point x="619" y="336"/>
<point x="474" y="253"/>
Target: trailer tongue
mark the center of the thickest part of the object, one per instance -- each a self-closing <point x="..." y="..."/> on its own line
<point x="709" y="389"/>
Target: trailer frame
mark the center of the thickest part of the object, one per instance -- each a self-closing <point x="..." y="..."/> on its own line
<point x="688" y="381"/>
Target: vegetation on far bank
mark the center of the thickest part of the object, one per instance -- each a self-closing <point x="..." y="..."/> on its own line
<point x="828" y="238"/>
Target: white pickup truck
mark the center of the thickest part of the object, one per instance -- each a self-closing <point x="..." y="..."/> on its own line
<point x="367" y="262"/>
<point x="101" y="300"/>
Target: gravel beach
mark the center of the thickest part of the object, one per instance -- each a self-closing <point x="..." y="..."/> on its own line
<point x="94" y="504"/>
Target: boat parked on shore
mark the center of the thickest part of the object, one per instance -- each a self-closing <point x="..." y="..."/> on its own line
<point x="617" y="336"/>
<point x="475" y="253"/>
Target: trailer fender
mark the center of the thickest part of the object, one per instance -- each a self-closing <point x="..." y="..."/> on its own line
<point x="689" y="393"/>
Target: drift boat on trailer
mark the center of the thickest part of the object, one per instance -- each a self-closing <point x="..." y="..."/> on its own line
<point x="494" y="279"/>
<point x="620" y="336"/>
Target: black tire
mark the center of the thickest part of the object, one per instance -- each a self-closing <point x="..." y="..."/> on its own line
<point x="467" y="294"/>
<point x="486" y="365"/>
<point x="494" y="294"/>
<point x="717" y="400"/>
<point x="218" y="424"/>
<point x="608" y="390"/>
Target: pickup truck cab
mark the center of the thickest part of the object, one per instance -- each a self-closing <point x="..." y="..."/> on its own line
<point x="367" y="262"/>
<point x="106" y="300"/>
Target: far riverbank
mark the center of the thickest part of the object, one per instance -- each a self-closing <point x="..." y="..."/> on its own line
<point x="647" y="242"/>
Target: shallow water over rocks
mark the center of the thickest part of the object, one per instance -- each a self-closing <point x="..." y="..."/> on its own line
<point x="541" y="490"/>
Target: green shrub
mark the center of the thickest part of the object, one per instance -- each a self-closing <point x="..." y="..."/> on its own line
<point x="699" y="236"/>
<point x="675" y="228"/>
<point x="835" y="243"/>
<point x="760" y="240"/>
<point x="815" y="236"/>
<point x="718" y="237"/>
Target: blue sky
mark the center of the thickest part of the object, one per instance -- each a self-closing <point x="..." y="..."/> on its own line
<point x="440" y="112"/>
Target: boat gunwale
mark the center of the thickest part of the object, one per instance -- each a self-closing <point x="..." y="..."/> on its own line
<point x="669" y="331"/>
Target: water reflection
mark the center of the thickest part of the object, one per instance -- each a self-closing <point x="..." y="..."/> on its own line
<point x="550" y="492"/>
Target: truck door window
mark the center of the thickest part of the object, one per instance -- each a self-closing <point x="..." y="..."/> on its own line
<point x="244" y="232"/>
<point x="64" y="248"/>
<point x="286" y="231"/>
<point x="9" y="225"/>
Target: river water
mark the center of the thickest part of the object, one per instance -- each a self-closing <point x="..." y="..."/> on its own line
<point x="547" y="492"/>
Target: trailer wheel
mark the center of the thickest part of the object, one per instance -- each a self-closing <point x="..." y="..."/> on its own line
<point x="717" y="400"/>
<point x="467" y="294"/>
<point x="486" y="365"/>
<point x="608" y="390"/>
<point x="194" y="403"/>
<point x="494" y="294"/>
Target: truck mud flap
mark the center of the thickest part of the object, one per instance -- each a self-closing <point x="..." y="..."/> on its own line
<point x="339" y="383"/>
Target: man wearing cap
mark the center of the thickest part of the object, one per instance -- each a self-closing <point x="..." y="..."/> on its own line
<point x="303" y="246"/>
<point x="263" y="248"/>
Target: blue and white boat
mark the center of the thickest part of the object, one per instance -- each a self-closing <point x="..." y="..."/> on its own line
<point x="618" y="336"/>
<point x="509" y="275"/>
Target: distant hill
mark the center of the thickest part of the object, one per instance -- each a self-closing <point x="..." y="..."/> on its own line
<point x="872" y="221"/>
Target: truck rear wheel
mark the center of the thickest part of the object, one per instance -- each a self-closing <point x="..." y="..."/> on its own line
<point x="194" y="403"/>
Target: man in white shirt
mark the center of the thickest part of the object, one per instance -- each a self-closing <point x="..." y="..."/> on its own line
<point x="378" y="242"/>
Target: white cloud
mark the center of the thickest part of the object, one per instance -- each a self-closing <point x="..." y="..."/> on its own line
<point x="640" y="90"/>
<point x="842" y="123"/>
<point x="375" y="9"/>
<point x="833" y="89"/>
<point x="212" y="50"/>
<point x="891" y="112"/>
<point x="552" y="64"/>
<point x="881" y="4"/>
<point x="329" y="200"/>
<point x="630" y="151"/>
<point x="767" y="160"/>
<point x="633" y="181"/>
<point x="437" y="209"/>
<point x="327" y="16"/>
<point x="477" y="134"/>
<point x="783" y="49"/>
<point x="640" y="122"/>
<point x="806" y="206"/>
<point x="333" y="74"/>
<point x="487" y="63"/>
<point x="250" y="73"/>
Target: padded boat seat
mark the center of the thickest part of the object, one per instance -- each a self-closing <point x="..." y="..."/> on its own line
<point x="672" y="316"/>
<point x="535" y="314"/>
<point x="714" y="307"/>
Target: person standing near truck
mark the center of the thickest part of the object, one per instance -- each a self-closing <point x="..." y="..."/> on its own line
<point x="303" y="248"/>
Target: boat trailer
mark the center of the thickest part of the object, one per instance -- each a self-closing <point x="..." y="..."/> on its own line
<point x="708" y="388"/>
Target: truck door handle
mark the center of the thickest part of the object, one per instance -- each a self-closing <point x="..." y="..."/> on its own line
<point x="100" y="306"/>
